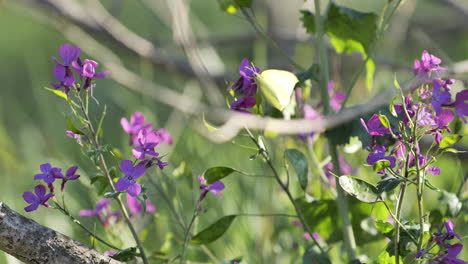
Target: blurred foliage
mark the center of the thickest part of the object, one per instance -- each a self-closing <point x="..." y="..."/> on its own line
<point x="32" y="125"/>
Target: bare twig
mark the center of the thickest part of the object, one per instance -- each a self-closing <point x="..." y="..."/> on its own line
<point x="31" y="242"/>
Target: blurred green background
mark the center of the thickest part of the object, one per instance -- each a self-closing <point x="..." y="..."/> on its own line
<point x="32" y="125"/>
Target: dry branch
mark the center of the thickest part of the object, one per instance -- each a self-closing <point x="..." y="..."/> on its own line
<point x="31" y="242"/>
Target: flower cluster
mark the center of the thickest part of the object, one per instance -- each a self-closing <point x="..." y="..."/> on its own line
<point x="245" y="88"/>
<point x="48" y="174"/>
<point x="86" y="69"/>
<point x="447" y="252"/>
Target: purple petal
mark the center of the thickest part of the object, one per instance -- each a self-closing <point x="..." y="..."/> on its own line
<point x="123" y="184"/>
<point x="434" y="170"/>
<point x="71" y="171"/>
<point x="101" y="75"/>
<point x="46" y="167"/>
<point x="29" y="197"/>
<point x="59" y="72"/>
<point x="40" y="191"/>
<point x="102" y="204"/>
<point x="138" y="171"/>
<point x="127" y="167"/>
<point x="216" y="187"/>
<point x="138" y="153"/>
<point x="125" y="125"/>
<point x="201" y="180"/>
<point x="134" y="189"/>
<point x="133" y="204"/>
<point x="68" y="53"/>
<point x="31" y="207"/>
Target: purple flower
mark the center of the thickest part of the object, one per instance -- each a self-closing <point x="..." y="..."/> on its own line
<point x="48" y="174"/>
<point x="103" y="212"/>
<point x="439" y="98"/>
<point x="109" y="253"/>
<point x="429" y="63"/>
<point x="79" y="138"/>
<point x="379" y="154"/>
<point x="39" y="198"/>
<point x="163" y="135"/>
<point x="336" y="98"/>
<point x="373" y="126"/>
<point x="68" y="53"/>
<point x="214" y="188"/>
<point x="128" y="183"/>
<point x="246" y="84"/>
<point x="425" y="117"/>
<point x="136" y="208"/>
<point x="147" y="141"/>
<point x="69" y="176"/>
<point x="460" y="106"/>
<point x="88" y="69"/>
<point x="309" y="114"/>
<point x="137" y="122"/>
<point x="243" y="104"/>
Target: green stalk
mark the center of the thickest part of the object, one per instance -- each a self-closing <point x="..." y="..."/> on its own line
<point x="95" y="141"/>
<point x="348" y="234"/>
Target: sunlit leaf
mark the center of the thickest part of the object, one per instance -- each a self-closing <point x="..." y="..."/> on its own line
<point x="384" y="227"/>
<point x="58" y="93"/>
<point x="359" y="189"/>
<point x="214" y="174"/>
<point x="214" y="231"/>
<point x="381" y="165"/>
<point x="450" y="140"/>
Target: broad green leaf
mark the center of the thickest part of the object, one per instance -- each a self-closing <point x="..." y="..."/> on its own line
<point x="277" y="86"/>
<point x="214" y="174"/>
<point x="384" y="227"/>
<point x="58" y="93"/>
<point x="72" y="127"/>
<point x="388" y="183"/>
<point x="321" y="215"/>
<point x="214" y="231"/>
<point x="449" y="141"/>
<point x="314" y="256"/>
<point x="127" y="254"/>
<point x="384" y="120"/>
<point x="385" y="258"/>
<point x="381" y="165"/>
<point x="299" y="162"/>
<point x="359" y="189"/>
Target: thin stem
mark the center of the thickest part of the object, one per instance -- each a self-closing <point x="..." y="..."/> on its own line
<point x="286" y="190"/>
<point x="399" y="207"/>
<point x="76" y="221"/>
<point x="348" y="234"/>
<point x="95" y="140"/>
<point x="187" y="232"/>
<point x="317" y="164"/>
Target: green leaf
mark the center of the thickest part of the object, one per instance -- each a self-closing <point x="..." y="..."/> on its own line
<point x="314" y="256"/>
<point x="381" y="165"/>
<point x="277" y="86"/>
<point x="452" y="203"/>
<point x="321" y="215"/>
<point x="299" y="162"/>
<point x="452" y="150"/>
<point x="58" y="93"/>
<point x="244" y="3"/>
<point x="385" y="258"/>
<point x="214" y="231"/>
<point x="214" y="174"/>
<point x="449" y="141"/>
<point x="127" y="254"/>
<point x="391" y="107"/>
<point x="359" y="189"/>
<point x="384" y="227"/>
<point x="388" y="183"/>
<point x="72" y="127"/>
<point x="430" y="186"/>
<point x="384" y="120"/>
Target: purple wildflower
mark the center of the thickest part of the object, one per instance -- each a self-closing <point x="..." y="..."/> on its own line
<point x="425" y="117"/>
<point x="137" y="122"/>
<point x="214" y="188"/>
<point x="379" y="154"/>
<point x="68" y="53"/>
<point x="246" y="84"/>
<point x="128" y="183"/>
<point x="136" y="208"/>
<point x="147" y="141"/>
<point x="429" y="63"/>
<point x="373" y="126"/>
<point x="79" y="138"/>
<point x="103" y="212"/>
<point x="439" y="98"/>
<point x="336" y="98"/>
<point x="243" y="104"/>
<point x="48" y="174"/>
<point x="69" y="176"/>
<point x="88" y="69"/>
<point x="40" y="198"/>
<point x="163" y="135"/>
<point x="62" y="71"/>
<point x="109" y="253"/>
<point x="460" y="106"/>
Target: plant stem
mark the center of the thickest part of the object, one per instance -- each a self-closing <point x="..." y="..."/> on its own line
<point x="74" y="220"/>
<point x="187" y="232"/>
<point x="399" y="207"/>
<point x="348" y="234"/>
<point x="286" y="190"/>
<point x="95" y="140"/>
